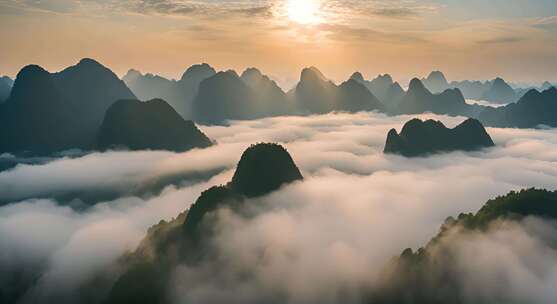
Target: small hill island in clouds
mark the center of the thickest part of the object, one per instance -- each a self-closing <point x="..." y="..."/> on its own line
<point x="418" y="138"/>
<point x="278" y="151"/>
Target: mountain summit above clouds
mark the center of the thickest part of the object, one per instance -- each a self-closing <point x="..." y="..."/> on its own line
<point x="49" y="112"/>
<point x="262" y="169"/>
<point x="419" y="138"/>
<point x="150" y="125"/>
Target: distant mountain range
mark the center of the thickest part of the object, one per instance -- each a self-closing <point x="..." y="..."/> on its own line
<point x="420" y="138"/>
<point x="316" y="94"/>
<point x="496" y="91"/>
<point x="418" y="99"/>
<point x="49" y="112"/>
<point x="262" y="169"/>
<point x="533" y="110"/>
<point x="226" y="95"/>
<point x="179" y="94"/>
<point x="382" y="87"/>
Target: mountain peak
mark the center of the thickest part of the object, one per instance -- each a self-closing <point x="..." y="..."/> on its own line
<point x="89" y="62"/>
<point x="416" y="85"/>
<point x="149" y="125"/>
<point x="385" y="77"/>
<point x="232" y="73"/>
<point x="437" y="75"/>
<point x="312" y="73"/>
<point x="357" y="76"/>
<point x="499" y="81"/>
<point x="7" y="80"/>
<point x="131" y="75"/>
<point x="31" y="70"/>
<point x="251" y="73"/>
<point x="264" y="168"/>
<point x="419" y="138"/>
<point x="29" y="81"/>
<point x="202" y="70"/>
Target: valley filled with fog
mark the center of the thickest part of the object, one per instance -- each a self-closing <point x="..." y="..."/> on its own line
<point x="70" y="218"/>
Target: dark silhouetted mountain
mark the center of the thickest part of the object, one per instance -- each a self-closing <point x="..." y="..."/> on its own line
<point x="532" y="110"/>
<point x="224" y="96"/>
<point x="189" y="86"/>
<point x="196" y="73"/>
<point x="418" y="100"/>
<point x="429" y="275"/>
<point x="185" y="240"/>
<point x="263" y="169"/>
<point x="381" y="87"/>
<point x="315" y="94"/>
<point x="354" y="96"/>
<point x="271" y="99"/>
<point x="499" y="92"/>
<point x="38" y="117"/>
<point x="6" y="84"/>
<point x="150" y="125"/>
<point x="179" y="94"/>
<point x="419" y="138"/>
<point x="436" y="82"/>
<point x="91" y="88"/>
<point x="46" y="112"/>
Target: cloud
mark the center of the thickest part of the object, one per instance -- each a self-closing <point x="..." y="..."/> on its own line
<point x="502" y="40"/>
<point x="511" y="262"/>
<point x="401" y="12"/>
<point x="547" y="23"/>
<point x="112" y="174"/>
<point x="322" y="240"/>
<point x="364" y="35"/>
<point x="201" y="8"/>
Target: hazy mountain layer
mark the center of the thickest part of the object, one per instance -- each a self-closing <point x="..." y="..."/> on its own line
<point x="179" y="94"/>
<point x="6" y="84"/>
<point x="315" y="94"/>
<point x="534" y="109"/>
<point x="418" y="99"/>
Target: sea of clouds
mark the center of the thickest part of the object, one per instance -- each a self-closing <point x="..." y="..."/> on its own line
<point x="323" y="241"/>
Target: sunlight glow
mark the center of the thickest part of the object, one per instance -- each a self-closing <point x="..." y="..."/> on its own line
<point x="303" y="11"/>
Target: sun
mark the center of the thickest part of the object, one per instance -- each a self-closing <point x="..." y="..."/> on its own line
<point x="303" y="11"/>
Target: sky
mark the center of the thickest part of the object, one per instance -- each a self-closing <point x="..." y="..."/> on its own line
<point x="473" y="39"/>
